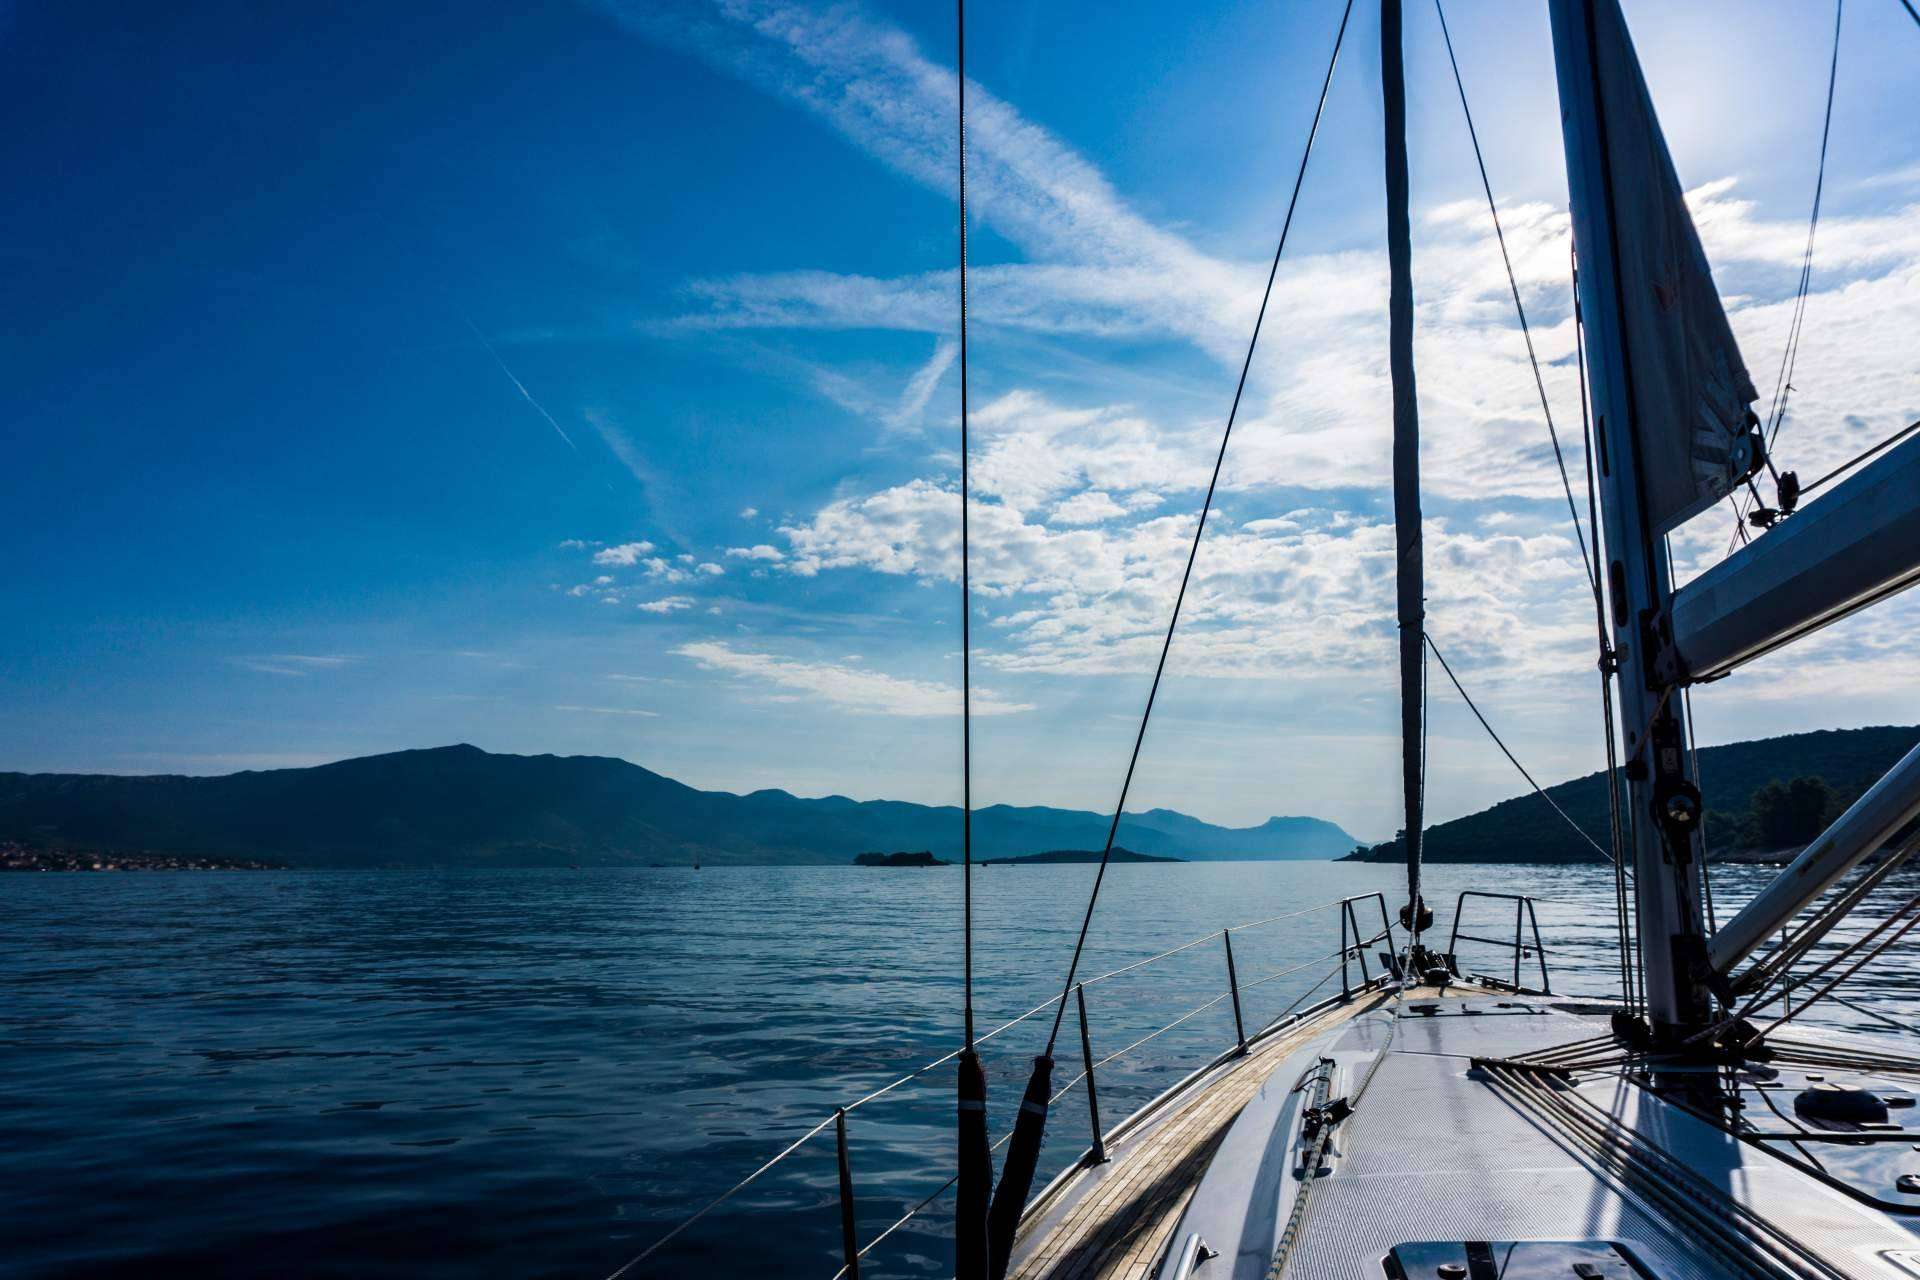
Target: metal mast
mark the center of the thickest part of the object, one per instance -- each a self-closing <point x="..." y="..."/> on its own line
<point x="1663" y="804"/>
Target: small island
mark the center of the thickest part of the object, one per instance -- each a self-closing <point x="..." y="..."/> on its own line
<point x="1056" y="857"/>
<point x="920" y="859"/>
<point x="1052" y="857"/>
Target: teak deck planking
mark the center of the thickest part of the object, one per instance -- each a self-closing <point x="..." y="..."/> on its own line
<point x="1119" y="1228"/>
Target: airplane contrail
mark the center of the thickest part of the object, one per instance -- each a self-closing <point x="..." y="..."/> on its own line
<point x="521" y="387"/>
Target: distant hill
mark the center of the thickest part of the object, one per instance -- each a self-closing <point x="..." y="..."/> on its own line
<point x="1525" y="829"/>
<point x="461" y="806"/>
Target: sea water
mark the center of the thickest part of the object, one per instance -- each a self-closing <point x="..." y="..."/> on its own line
<point x="412" y="1074"/>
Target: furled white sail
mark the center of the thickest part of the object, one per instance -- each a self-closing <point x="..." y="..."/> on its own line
<point x="1690" y="389"/>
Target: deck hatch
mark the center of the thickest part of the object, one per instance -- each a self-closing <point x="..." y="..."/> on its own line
<point x="1514" y="1260"/>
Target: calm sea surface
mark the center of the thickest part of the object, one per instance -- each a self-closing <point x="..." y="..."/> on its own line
<point x="418" y="1074"/>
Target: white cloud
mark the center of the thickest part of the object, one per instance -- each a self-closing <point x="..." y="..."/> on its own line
<point x="666" y="604"/>
<point x="1311" y="593"/>
<point x="1098" y="268"/>
<point x="760" y="551"/>
<point x="627" y="553"/>
<point x="870" y="82"/>
<point x="294" y="664"/>
<point x="609" y="711"/>
<point x="920" y="387"/>
<point x="748" y="513"/>
<point x="658" y="567"/>
<point x="847" y="687"/>
<point x="1091" y="507"/>
<point x="621" y="445"/>
<point x="1084" y="505"/>
<point x="711" y="569"/>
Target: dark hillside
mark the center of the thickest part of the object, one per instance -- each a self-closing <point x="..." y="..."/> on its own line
<point x="1525" y="829"/>
<point x="461" y="806"/>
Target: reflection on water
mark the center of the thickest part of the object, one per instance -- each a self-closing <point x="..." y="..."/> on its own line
<point x="415" y="1073"/>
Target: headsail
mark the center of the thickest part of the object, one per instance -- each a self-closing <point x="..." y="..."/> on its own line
<point x="1409" y="568"/>
<point x="1690" y="389"/>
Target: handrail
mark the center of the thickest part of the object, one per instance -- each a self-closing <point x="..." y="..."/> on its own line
<point x="1048" y="1003"/>
<point x="1284" y="1018"/>
<point x="837" y="1119"/>
<point x="1523" y="913"/>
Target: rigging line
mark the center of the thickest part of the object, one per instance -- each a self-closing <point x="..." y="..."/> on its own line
<point x="1857" y="965"/>
<point x="1510" y="756"/>
<point x="1762" y="998"/>
<point x="721" y="1199"/>
<point x="1875" y="1014"/>
<point x="1783" y="385"/>
<point x="1790" y="355"/>
<point x="1911" y="11"/>
<point x="1693" y="773"/>
<point x="1844" y="467"/>
<point x="1046" y="1004"/>
<point x="966" y="584"/>
<point x="1777" y="964"/>
<point x="974" y="1172"/>
<point x="1513" y="284"/>
<point x="1740" y="525"/>
<point x="1413" y="907"/>
<point x="1106" y="854"/>
<point x="1589" y="446"/>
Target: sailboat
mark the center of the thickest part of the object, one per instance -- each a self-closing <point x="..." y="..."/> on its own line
<point x="1427" y="1123"/>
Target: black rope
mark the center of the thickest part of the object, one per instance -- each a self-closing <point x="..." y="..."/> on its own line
<point x="1206" y="507"/>
<point x="1693" y="776"/>
<point x="1511" y="758"/>
<point x="1790" y="356"/>
<point x="1513" y="284"/>
<point x="1911" y="11"/>
<point x="966" y="602"/>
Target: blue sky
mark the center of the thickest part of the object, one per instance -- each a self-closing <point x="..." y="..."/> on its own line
<point x="579" y="379"/>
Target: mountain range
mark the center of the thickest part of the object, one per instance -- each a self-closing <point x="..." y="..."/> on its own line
<point x="1525" y="828"/>
<point x="461" y="806"/>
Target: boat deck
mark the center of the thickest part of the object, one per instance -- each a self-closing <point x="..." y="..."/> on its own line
<point x="1113" y="1221"/>
<point x="1439" y="1151"/>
